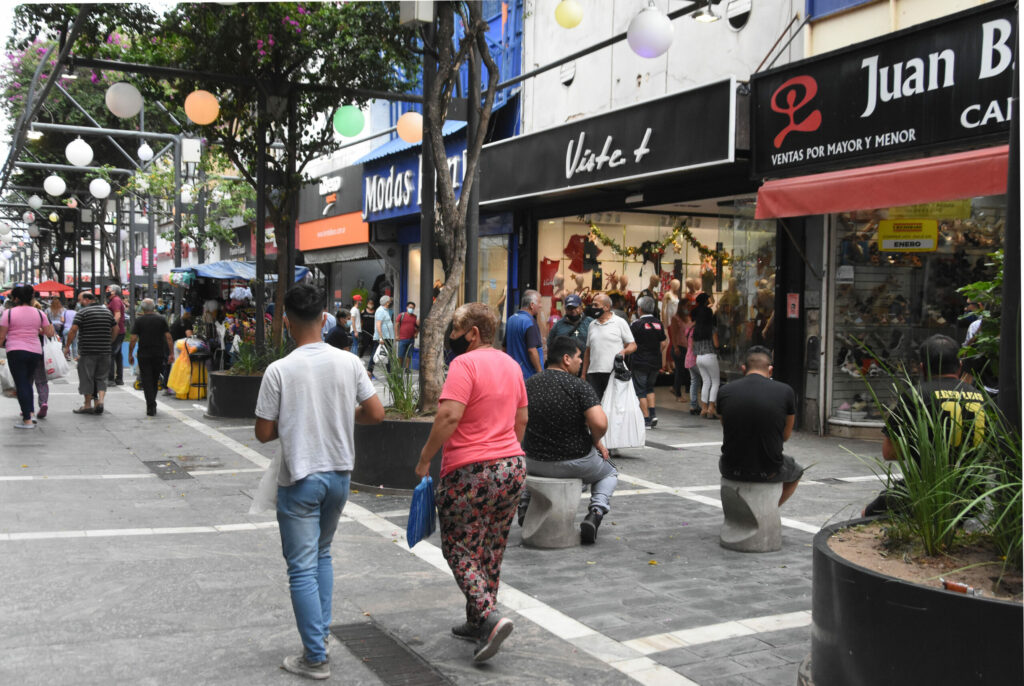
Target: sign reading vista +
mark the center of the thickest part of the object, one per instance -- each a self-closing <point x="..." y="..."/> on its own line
<point x="685" y="130"/>
<point x="939" y="85"/>
<point x="391" y="185"/>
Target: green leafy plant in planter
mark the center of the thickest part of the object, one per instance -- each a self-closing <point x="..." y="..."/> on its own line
<point x="983" y="349"/>
<point x="250" y="362"/>
<point x="403" y="392"/>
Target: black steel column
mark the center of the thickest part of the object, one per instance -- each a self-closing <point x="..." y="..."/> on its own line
<point x="427" y="185"/>
<point x="151" y="246"/>
<point x="1010" y="341"/>
<point x="177" y="220"/>
<point x="261" y="219"/>
<point x="292" y="212"/>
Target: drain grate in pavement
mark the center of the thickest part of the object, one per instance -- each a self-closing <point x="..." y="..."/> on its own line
<point x="168" y="470"/>
<point x="390" y="659"/>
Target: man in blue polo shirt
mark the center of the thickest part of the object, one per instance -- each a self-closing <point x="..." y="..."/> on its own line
<point x="522" y="335"/>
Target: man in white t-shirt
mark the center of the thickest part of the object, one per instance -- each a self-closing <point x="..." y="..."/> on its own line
<point x="608" y="336"/>
<point x="356" y="318"/>
<point x="311" y="400"/>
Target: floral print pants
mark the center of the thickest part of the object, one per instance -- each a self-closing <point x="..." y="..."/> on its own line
<point x="475" y="506"/>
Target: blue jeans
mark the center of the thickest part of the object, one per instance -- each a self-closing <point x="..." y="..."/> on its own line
<point x="22" y="365"/>
<point x="591" y="468"/>
<point x="695" y="384"/>
<point x="307" y="514"/>
<point x="405" y="348"/>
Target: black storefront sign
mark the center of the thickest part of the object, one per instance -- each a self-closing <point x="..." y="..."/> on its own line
<point x="335" y="193"/>
<point x="945" y="84"/>
<point x="682" y="131"/>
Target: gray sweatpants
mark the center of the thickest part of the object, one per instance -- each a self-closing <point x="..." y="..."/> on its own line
<point x="591" y="468"/>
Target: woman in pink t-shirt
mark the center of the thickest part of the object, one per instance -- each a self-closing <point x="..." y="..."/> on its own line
<point x="480" y="424"/>
<point x="20" y="329"/>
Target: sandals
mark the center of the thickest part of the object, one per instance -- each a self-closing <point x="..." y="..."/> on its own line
<point x="98" y="408"/>
<point x="83" y="410"/>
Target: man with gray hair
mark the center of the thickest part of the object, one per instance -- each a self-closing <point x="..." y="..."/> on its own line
<point x="651" y="343"/>
<point x="115" y="375"/>
<point x="153" y="337"/>
<point x="522" y="335"/>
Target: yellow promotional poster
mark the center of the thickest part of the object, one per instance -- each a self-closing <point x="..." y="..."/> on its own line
<point x="908" y="235"/>
<point x="950" y="209"/>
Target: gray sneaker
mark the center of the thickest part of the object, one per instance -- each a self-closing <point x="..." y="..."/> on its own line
<point x="299" y="665"/>
<point x="492" y="634"/>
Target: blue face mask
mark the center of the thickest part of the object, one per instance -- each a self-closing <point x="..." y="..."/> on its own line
<point x="410" y="310"/>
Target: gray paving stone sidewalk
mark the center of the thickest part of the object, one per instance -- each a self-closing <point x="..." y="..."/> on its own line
<point x="113" y="575"/>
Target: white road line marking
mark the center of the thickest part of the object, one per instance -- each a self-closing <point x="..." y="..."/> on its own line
<point x="685" y="493"/>
<point x="639" y="668"/>
<point x="143" y="531"/>
<point x="150" y="475"/>
<point x="853" y="479"/>
<point x="695" y="445"/>
<point x="657" y="643"/>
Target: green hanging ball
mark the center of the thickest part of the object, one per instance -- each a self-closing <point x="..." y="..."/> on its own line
<point x="348" y="120"/>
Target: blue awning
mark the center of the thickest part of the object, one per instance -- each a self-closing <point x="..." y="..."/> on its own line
<point x="398" y="145"/>
<point x="232" y="269"/>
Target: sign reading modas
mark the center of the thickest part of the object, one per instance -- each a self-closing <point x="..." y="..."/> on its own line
<point x="933" y="86"/>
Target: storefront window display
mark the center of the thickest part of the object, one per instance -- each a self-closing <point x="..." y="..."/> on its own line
<point x="730" y="256"/>
<point x="896" y="275"/>
<point x="492" y="269"/>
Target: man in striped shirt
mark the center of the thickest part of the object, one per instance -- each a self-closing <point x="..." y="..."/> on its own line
<point x="95" y="329"/>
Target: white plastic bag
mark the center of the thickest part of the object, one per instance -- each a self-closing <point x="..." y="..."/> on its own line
<point x="6" y="380"/>
<point x="381" y="355"/>
<point x="266" y="493"/>
<point x="53" y="359"/>
<point x="625" y="420"/>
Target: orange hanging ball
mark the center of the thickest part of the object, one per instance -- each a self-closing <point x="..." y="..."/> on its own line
<point x="202" y="107"/>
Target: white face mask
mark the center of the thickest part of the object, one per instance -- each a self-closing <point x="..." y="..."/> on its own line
<point x="410" y="310"/>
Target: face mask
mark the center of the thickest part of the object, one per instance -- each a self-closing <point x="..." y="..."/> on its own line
<point x="458" y="345"/>
<point x="410" y="310"/>
<point x="573" y="318"/>
<point x="594" y="312"/>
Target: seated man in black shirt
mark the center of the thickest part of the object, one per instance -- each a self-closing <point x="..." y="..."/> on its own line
<point x="563" y="435"/>
<point x="757" y="418"/>
<point x="953" y="403"/>
<point x="339" y="335"/>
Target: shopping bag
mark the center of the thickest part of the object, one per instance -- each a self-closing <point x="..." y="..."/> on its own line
<point x="381" y="354"/>
<point x="625" y="419"/>
<point x="180" y="378"/>
<point x="422" y="513"/>
<point x="53" y="359"/>
<point x="6" y="380"/>
<point x="266" y="493"/>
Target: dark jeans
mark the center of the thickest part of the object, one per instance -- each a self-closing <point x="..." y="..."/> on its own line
<point x="681" y="379"/>
<point x="23" y="368"/>
<point x="373" y="351"/>
<point x="116" y="373"/>
<point x="599" y="381"/>
<point x="149" y="374"/>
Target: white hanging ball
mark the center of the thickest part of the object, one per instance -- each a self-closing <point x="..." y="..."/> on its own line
<point x="124" y="100"/>
<point x="650" y="33"/>
<point x="145" y="152"/>
<point x="28" y="217"/>
<point x="54" y="185"/>
<point x="79" y="153"/>
<point x="99" y="188"/>
<point x="5" y="229"/>
<point x="35" y="202"/>
<point x="33" y="231"/>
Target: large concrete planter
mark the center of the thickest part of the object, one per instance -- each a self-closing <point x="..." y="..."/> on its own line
<point x="871" y="629"/>
<point x="232" y="396"/>
<point x="386" y="454"/>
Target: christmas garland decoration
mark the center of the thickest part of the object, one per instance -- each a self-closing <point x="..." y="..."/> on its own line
<point x="658" y="247"/>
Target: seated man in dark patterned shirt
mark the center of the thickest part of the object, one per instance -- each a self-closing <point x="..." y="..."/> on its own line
<point x="563" y="435"/>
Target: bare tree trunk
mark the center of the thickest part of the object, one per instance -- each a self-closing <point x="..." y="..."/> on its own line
<point x="432" y="338"/>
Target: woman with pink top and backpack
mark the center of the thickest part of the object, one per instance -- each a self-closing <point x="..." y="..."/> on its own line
<point x="21" y="328"/>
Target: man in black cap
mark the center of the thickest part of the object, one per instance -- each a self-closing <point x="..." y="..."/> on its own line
<point x="574" y="324"/>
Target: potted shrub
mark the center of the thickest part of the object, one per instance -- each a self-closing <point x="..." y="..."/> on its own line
<point x="961" y="524"/>
<point x="386" y="453"/>
<point x="233" y="393"/>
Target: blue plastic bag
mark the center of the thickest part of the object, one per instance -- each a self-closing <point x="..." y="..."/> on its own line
<point x="422" y="513"/>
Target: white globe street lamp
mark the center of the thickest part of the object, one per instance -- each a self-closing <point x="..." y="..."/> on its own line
<point x="79" y="153"/>
<point x="145" y="152"/>
<point x="99" y="188"/>
<point x="124" y="100"/>
<point x="28" y="217"/>
<point x="650" y="33"/>
<point x="54" y="185"/>
<point x="33" y="231"/>
<point x="35" y="202"/>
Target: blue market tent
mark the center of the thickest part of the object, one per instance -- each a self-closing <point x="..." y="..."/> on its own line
<point x="234" y="269"/>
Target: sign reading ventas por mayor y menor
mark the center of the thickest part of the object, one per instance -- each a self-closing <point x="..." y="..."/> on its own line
<point x="935" y="86"/>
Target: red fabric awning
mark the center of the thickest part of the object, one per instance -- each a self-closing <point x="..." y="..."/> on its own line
<point x="931" y="179"/>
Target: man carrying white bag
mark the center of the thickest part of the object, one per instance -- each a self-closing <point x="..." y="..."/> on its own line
<point x="625" y="419"/>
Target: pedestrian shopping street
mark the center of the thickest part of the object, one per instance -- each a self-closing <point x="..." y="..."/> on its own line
<point x="129" y="558"/>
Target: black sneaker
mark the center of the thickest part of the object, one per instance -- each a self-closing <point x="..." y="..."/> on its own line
<point x="588" y="529"/>
<point x="300" y="665"/>
<point x="466" y="631"/>
<point x="520" y="515"/>
<point x="654" y="422"/>
<point x="492" y="634"/>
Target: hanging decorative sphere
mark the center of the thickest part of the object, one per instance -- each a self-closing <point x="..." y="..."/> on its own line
<point x="5" y="229"/>
<point x="28" y="217"/>
<point x="124" y="100"/>
<point x="145" y="152"/>
<point x="72" y="202"/>
<point x="99" y="188"/>
<point x="54" y="185"/>
<point x="79" y="153"/>
<point x="202" y="107"/>
<point x="33" y="231"/>
<point x="35" y="202"/>
<point x="348" y="120"/>
<point x="650" y="33"/>
<point x="8" y="254"/>
<point x="569" y="14"/>
<point x="54" y="217"/>
<point x="410" y="127"/>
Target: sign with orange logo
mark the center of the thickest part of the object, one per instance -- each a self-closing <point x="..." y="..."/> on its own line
<point x="344" y="229"/>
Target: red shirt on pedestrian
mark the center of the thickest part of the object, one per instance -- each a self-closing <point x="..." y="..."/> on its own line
<point x="407" y="326"/>
<point x="116" y="305"/>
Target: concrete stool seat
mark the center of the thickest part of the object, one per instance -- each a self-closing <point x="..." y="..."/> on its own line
<point x="752" y="521"/>
<point x="551" y="518"/>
